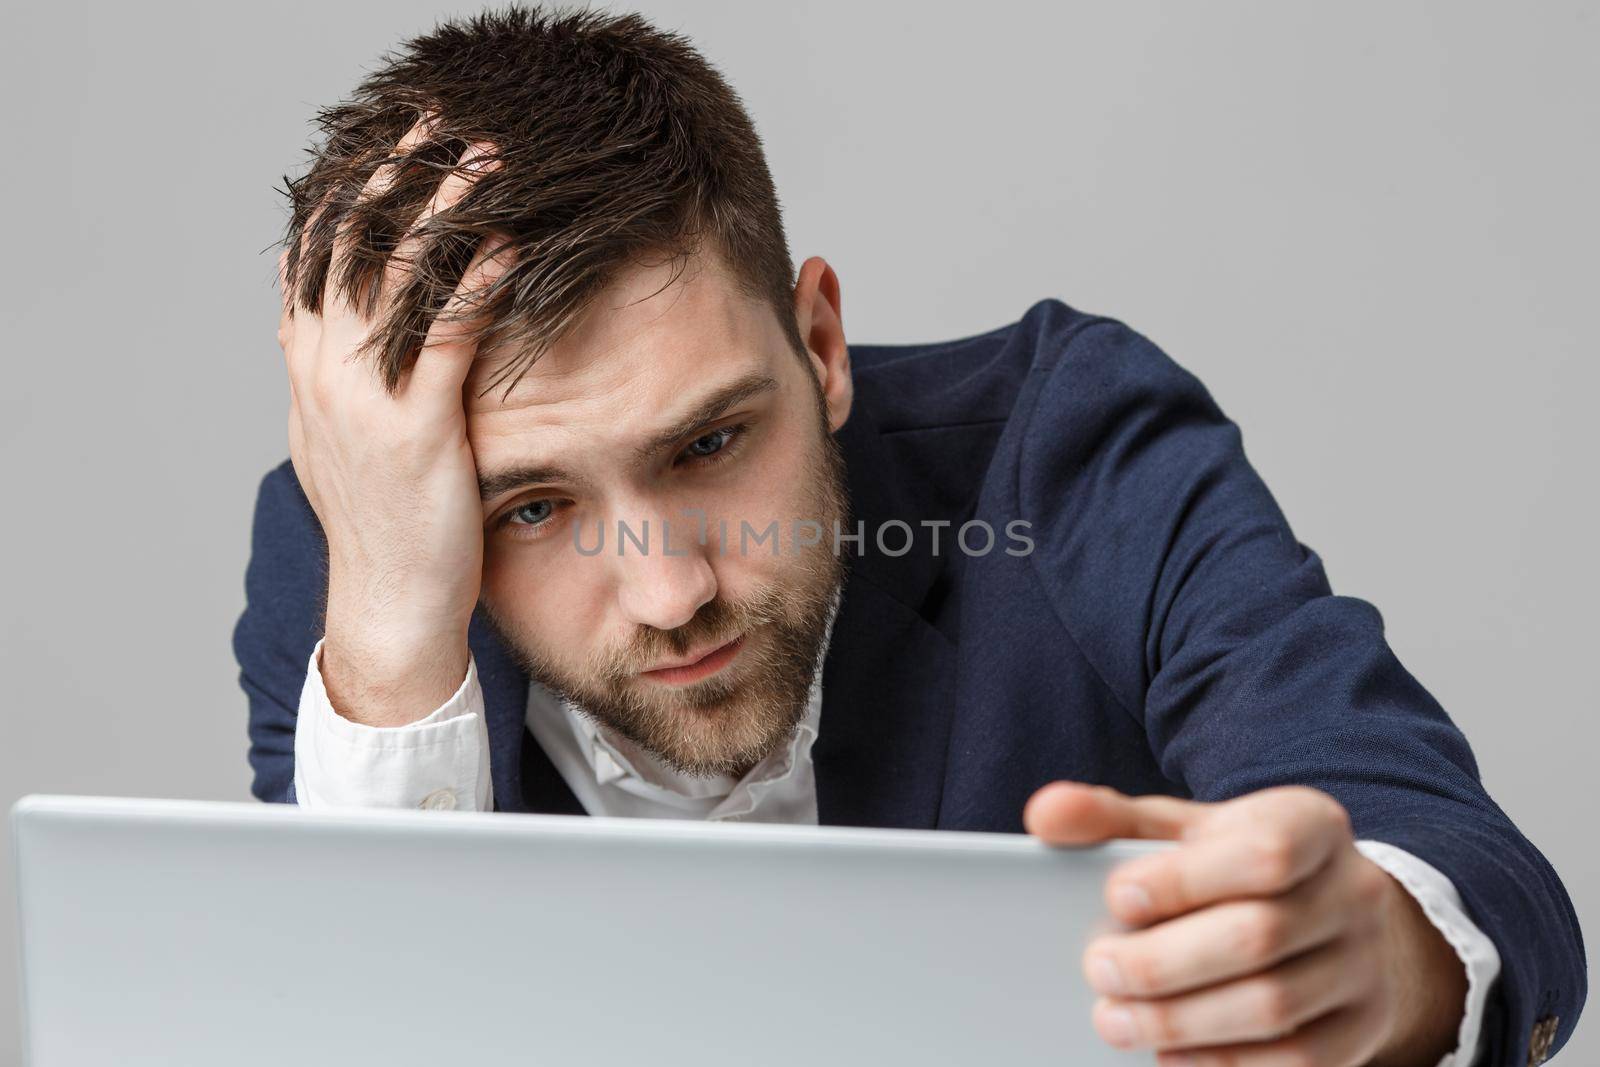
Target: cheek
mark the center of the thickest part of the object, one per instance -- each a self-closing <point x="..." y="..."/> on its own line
<point x="774" y="484"/>
<point x="739" y="516"/>
<point x="550" y="608"/>
<point x="739" y="520"/>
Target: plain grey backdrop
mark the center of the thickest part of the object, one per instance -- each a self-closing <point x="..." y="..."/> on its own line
<point x="1370" y="228"/>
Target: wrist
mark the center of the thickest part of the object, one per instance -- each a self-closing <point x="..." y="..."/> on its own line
<point x="390" y="684"/>
<point x="1430" y="983"/>
<point x="392" y="612"/>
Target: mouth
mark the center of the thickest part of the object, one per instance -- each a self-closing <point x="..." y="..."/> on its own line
<point x="697" y="666"/>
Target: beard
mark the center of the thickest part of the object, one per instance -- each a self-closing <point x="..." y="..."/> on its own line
<point x="727" y="723"/>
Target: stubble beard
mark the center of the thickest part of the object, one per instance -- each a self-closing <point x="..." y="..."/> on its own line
<point x="731" y="721"/>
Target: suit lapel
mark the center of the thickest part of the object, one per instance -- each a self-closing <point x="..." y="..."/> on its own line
<point x="889" y="676"/>
<point x="524" y="778"/>
<point x="887" y="684"/>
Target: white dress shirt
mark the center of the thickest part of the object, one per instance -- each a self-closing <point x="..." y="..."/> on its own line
<point x="442" y="762"/>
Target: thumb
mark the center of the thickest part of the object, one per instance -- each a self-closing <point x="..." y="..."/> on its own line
<point x="1074" y="813"/>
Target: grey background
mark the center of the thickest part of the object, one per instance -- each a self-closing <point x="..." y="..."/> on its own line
<point x="1369" y="228"/>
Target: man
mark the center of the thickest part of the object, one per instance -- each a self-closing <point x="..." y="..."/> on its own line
<point x="591" y="508"/>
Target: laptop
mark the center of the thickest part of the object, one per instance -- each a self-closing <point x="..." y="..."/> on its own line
<point x="191" y="932"/>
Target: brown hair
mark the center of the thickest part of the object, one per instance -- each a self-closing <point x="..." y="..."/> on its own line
<point x="615" y="140"/>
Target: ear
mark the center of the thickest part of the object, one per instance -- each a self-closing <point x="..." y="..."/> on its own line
<point x="816" y="309"/>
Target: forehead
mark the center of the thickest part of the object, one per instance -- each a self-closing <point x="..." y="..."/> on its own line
<point x="640" y="343"/>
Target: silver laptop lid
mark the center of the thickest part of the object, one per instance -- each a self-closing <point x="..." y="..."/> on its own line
<point x="186" y="932"/>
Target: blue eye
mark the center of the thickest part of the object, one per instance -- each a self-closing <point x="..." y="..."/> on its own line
<point x="532" y="520"/>
<point x="533" y="513"/>
<point x="712" y="443"/>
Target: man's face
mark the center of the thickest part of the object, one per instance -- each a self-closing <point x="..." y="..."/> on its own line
<point x="682" y="406"/>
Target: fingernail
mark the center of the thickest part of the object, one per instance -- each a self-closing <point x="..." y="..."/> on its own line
<point x="1132" y="899"/>
<point x="1116" y="1026"/>
<point x="1107" y="975"/>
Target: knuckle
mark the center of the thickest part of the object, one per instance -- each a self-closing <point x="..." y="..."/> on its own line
<point x="1263" y="932"/>
<point x="1274" y="1005"/>
<point x="1141" y="971"/>
<point x="1273" y="857"/>
<point x="1123" y="889"/>
<point x="315" y="380"/>
<point x="1371" y="885"/>
<point x="1330" y="810"/>
<point x="324" y="392"/>
<point x="1161" y="1024"/>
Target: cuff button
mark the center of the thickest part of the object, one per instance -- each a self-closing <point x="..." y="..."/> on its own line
<point x="1543" y="1036"/>
<point x="439" y="800"/>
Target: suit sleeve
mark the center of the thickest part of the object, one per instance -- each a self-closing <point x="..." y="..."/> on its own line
<point x="1172" y="567"/>
<point x="285" y="596"/>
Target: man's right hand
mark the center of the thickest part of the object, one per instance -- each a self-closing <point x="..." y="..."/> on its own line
<point x="392" y="481"/>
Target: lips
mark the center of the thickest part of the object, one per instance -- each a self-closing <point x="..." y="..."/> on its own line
<point x="696" y="666"/>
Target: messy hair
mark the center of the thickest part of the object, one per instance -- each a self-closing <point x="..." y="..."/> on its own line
<point x="616" y="141"/>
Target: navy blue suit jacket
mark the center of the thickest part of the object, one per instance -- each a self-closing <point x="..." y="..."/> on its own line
<point x="1167" y="634"/>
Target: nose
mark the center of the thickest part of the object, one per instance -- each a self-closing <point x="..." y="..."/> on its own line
<point x="660" y="588"/>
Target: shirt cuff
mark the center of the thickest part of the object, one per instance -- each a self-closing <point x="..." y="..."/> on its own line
<point x="1441" y="903"/>
<point x="439" y="762"/>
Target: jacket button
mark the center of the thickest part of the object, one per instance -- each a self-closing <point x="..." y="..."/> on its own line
<point x="1543" y="1036"/>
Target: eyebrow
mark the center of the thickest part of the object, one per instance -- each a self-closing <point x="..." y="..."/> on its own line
<point x="496" y="483"/>
<point x="713" y="406"/>
<point x="508" y="478"/>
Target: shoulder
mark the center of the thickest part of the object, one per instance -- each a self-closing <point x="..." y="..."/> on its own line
<point x="287" y="569"/>
<point x="967" y="380"/>
<point x="939" y="425"/>
<point x="283" y="515"/>
<point x="1041" y="396"/>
